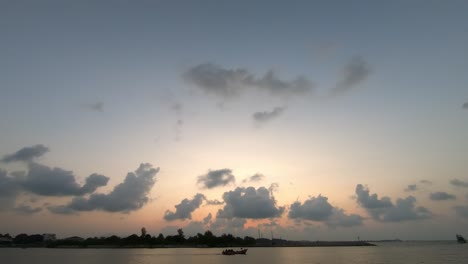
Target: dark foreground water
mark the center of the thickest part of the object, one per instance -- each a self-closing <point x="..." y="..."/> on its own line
<point x="397" y="252"/>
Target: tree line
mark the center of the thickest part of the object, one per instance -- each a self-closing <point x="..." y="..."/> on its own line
<point x="207" y="239"/>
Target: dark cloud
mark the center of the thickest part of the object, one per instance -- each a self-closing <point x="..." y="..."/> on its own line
<point x="250" y="203"/>
<point x="320" y="210"/>
<point x="27" y="210"/>
<point x="354" y="73"/>
<point x="265" y="116"/>
<point x="384" y="210"/>
<point x="404" y="210"/>
<point x="128" y="196"/>
<point x="47" y="181"/>
<point x="315" y="209"/>
<point x="442" y="196"/>
<point x="465" y="105"/>
<point x="26" y="154"/>
<point x="9" y="190"/>
<point x="228" y="225"/>
<point x="62" y="209"/>
<point x="254" y="178"/>
<point x="459" y="183"/>
<point x="43" y="180"/>
<point x="96" y="107"/>
<point x="411" y="188"/>
<point x="185" y="208"/>
<point x="93" y="182"/>
<point x="340" y="218"/>
<point x="368" y="201"/>
<point x="215" y="79"/>
<point x="462" y="211"/>
<point x="216" y="178"/>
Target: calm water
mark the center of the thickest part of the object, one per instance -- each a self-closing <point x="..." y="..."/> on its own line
<point x="404" y="252"/>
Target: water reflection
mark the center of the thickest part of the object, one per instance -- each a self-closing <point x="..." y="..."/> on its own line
<point x="429" y="253"/>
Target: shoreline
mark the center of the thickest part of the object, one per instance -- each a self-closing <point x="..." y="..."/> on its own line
<point x="297" y="244"/>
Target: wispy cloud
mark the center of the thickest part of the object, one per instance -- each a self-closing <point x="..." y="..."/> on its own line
<point x="220" y="81"/>
<point x="254" y="178"/>
<point x="411" y="188"/>
<point x="355" y="72"/>
<point x="427" y="182"/>
<point x="27" y="209"/>
<point x="465" y="105"/>
<point x="96" y="107"/>
<point x="26" y="154"/>
<point x="265" y="116"/>
<point x="441" y="196"/>
<point x="459" y="183"/>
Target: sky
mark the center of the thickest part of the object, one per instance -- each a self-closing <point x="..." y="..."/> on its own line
<point x="316" y="120"/>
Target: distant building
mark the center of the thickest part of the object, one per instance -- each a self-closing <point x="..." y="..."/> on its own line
<point x="49" y="237"/>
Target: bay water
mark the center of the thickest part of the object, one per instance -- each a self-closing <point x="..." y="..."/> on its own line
<point x="394" y="252"/>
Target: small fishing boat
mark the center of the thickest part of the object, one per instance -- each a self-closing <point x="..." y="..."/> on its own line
<point x="460" y="239"/>
<point x="229" y="252"/>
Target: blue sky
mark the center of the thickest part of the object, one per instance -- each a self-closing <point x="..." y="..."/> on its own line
<point x="316" y="96"/>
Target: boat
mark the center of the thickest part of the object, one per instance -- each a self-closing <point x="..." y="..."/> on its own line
<point x="460" y="239"/>
<point x="229" y="252"/>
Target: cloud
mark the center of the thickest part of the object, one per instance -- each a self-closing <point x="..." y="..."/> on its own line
<point x="315" y="209"/>
<point x="462" y="211"/>
<point x="371" y="201"/>
<point x="404" y="210"/>
<point x="43" y="180"/>
<point x="459" y="183"/>
<point x="320" y="210"/>
<point x="177" y="109"/>
<point x="354" y="73"/>
<point x="265" y="116"/>
<point x="340" y="218"/>
<point x="426" y="182"/>
<point x="441" y="196"/>
<point x="465" y="105"/>
<point x="411" y="188"/>
<point x="250" y="203"/>
<point x="207" y="219"/>
<point x="385" y="211"/>
<point x="216" y="178"/>
<point x="9" y="190"/>
<point x="27" y="210"/>
<point x="254" y="178"/>
<point x="96" y="107"/>
<point x="47" y="181"/>
<point x="185" y="208"/>
<point x="214" y="202"/>
<point x="26" y="154"/>
<point x="127" y="196"/>
<point x="273" y="187"/>
<point x="228" y="225"/>
<point x="214" y="79"/>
